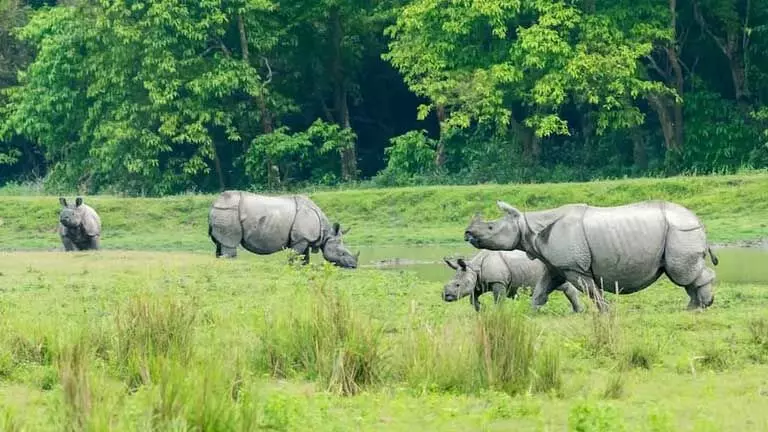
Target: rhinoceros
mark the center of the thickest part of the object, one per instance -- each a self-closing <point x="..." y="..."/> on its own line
<point x="265" y="224"/>
<point x="79" y="226"/>
<point x="501" y="272"/>
<point x="621" y="249"/>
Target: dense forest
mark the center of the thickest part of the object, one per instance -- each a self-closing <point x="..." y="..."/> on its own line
<point x="156" y="97"/>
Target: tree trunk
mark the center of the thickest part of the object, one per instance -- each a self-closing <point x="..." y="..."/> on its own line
<point x="530" y="142"/>
<point x="639" y="155"/>
<point x="267" y="126"/>
<point x="661" y="106"/>
<point x="349" y="154"/>
<point x="677" y="107"/>
<point x="219" y="171"/>
<point x="669" y="109"/>
<point x="735" y="48"/>
<point x="440" y="152"/>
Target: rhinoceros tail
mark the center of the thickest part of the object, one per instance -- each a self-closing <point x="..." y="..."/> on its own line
<point x="712" y="256"/>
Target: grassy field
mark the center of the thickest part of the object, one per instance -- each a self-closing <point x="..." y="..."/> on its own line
<point x="732" y="207"/>
<point x="164" y="338"/>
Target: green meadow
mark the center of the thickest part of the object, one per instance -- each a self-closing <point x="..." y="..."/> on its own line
<point x="153" y="333"/>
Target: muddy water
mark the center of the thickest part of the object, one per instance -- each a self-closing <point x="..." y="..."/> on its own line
<point x="737" y="264"/>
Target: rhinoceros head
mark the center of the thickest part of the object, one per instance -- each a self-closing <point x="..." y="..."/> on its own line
<point x="70" y="216"/>
<point x="500" y="234"/>
<point x="463" y="282"/>
<point x="334" y="250"/>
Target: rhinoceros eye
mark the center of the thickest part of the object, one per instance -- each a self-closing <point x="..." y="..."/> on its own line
<point x="490" y="227"/>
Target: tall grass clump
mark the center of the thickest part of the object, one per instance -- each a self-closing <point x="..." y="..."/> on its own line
<point x="499" y="349"/>
<point x="320" y="336"/>
<point x="10" y="421"/>
<point x="758" y="328"/>
<point x="202" y="396"/>
<point x="147" y="329"/>
<point x="506" y="351"/>
<point x="74" y="362"/>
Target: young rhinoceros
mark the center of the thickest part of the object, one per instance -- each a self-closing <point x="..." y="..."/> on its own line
<point x="79" y="226"/>
<point x="500" y="272"/>
<point x="265" y="225"/>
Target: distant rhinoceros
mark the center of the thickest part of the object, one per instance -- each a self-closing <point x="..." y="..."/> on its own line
<point x="621" y="249"/>
<point x="79" y="226"/>
<point x="500" y="272"/>
<point x="267" y="224"/>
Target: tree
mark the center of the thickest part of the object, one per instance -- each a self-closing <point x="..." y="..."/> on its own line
<point x="519" y="64"/>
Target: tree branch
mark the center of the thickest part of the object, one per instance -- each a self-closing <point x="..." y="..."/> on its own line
<point x="704" y="26"/>
<point x="269" y="71"/>
<point x="224" y="49"/>
<point x="658" y="69"/>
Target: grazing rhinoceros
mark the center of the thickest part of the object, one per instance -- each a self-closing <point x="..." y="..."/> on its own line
<point x="620" y="249"/>
<point x="502" y="272"/>
<point x="268" y="224"/>
<point x="79" y="226"/>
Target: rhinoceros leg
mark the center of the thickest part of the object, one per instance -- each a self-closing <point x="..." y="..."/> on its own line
<point x="302" y="248"/>
<point x="474" y="300"/>
<point x="499" y="290"/>
<point x="572" y="294"/>
<point x="588" y="286"/>
<point x="95" y="243"/>
<point x="546" y="284"/>
<point x="69" y="245"/>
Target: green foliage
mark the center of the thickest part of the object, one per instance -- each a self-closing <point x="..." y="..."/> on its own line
<point x="594" y="417"/>
<point x="290" y="154"/>
<point x="411" y="154"/>
<point x="158" y="98"/>
<point x="481" y="59"/>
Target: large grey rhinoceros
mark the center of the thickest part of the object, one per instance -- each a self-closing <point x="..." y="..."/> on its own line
<point x="79" y="226"/>
<point x="267" y="224"/>
<point x="500" y="272"/>
<point x="621" y="249"/>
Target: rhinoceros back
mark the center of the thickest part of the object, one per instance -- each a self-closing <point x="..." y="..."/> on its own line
<point x="626" y="244"/>
<point x="266" y="222"/>
<point x="511" y="267"/>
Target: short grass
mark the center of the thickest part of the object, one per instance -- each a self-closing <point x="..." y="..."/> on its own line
<point x="732" y="207"/>
<point x="132" y="340"/>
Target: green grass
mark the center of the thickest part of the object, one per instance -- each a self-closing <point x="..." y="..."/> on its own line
<point x="732" y="207"/>
<point x="126" y="340"/>
<point x="169" y="338"/>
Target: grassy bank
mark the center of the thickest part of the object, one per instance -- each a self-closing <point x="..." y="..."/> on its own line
<point x="122" y="340"/>
<point x="732" y="207"/>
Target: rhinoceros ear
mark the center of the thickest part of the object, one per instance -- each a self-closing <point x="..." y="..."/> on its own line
<point x="345" y="231"/>
<point x="462" y="264"/>
<point x="63" y="201"/>
<point x="336" y="228"/>
<point x="508" y="208"/>
<point x="78" y="201"/>
<point x="450" y="264"/>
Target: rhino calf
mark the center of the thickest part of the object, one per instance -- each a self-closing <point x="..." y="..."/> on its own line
<point x="265" y="224"/>
<point x="501" y="272"/>
<point x="79" y="226"/>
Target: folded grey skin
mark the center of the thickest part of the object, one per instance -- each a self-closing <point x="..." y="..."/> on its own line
<point x="622" y="249"/>
<point x="265" y="225"/>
